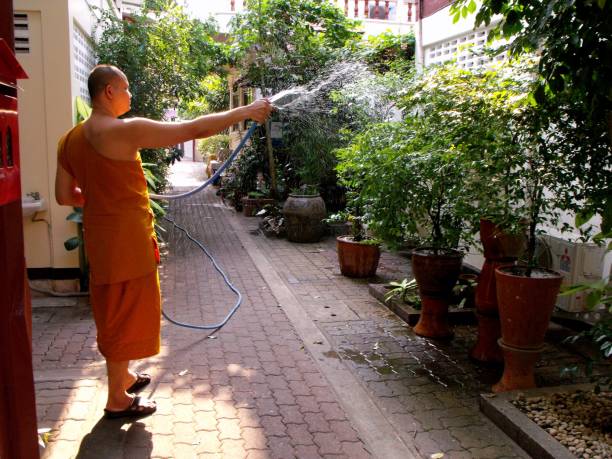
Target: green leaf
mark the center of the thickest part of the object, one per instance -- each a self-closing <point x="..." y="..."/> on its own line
<point x="72" y="243"/>
<point x="582" y="218"/>
<point x="471" y="6"/>
<point x="601" y="4"/>
<point x="156" y="207"/>
<point x="593" y="299"/>
<point x="76" y="217"/>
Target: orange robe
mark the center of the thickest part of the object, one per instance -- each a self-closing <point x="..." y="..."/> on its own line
<point x="121" y="247"/>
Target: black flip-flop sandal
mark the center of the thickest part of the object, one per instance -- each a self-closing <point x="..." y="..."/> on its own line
<point x="142" y="380"/>
<point x="135" y="410"/>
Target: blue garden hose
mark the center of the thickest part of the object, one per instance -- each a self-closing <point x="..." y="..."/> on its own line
<point x="212" y="179"/>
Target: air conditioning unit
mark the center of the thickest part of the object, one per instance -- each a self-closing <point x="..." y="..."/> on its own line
<point x="578" y="263"/>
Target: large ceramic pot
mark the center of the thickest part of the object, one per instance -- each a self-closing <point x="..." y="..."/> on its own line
<point x="303" y="217"/>
<point x="499" y="248"/>
<point x="436" y="273"/>
<point x="525" y="307"/>
<point x="526" y="304"/>
<point x="356" y="258"/>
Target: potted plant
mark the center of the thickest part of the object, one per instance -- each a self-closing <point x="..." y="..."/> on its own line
<point x="409" y="178"/>
<point x="358" y="253"/>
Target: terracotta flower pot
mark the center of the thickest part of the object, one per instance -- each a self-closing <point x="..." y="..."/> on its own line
<point x="436" y="275"/>
<point x="525" y="307"/>
<point x="526" y="304"/>
<point x="499" y="249"/>
<point x="303" y="217"/>
<point x="499" y="245"/>
<point x="356" y="258"/>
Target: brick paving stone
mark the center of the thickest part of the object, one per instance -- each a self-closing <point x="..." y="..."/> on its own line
<point x="274" y="425"/>
<point x="280" y="447"/>
<point x="299" y="434"/>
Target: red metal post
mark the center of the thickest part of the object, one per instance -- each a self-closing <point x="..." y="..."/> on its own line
<point x="376" y="10"/>
<point x="346" y="7"/>
<point x="233" y="5"/>
<point x="356" y="8"/>
<point x="386" y="9"/>
<point x="366" y="9"/>
<point x="18" y="435"/>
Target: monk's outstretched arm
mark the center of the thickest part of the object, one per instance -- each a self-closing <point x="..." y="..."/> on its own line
<point x="145" y="133"/>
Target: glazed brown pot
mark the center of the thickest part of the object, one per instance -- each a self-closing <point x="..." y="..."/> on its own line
<point x="526" y="304"/>
<point x="436" y="274"/>
<point x="357" y="259"/>
<point x="303" y="217"/>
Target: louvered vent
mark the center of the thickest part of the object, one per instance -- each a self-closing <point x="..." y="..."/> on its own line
<point x="22" y="33"/>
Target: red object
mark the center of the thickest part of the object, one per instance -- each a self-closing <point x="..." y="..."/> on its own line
<point x="436" y="275"/>
<point x="525" y="307"/>
<point x="18" y="435"/>
<point x="499" y="249"/>
<point x="356" y="259"/>
<point x="526" y="304"/>
<point x="519" y="366"/>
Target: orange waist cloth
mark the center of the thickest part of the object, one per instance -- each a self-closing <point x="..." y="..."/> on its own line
<point x="128" y="317"/>
<point x="117" y="220"/>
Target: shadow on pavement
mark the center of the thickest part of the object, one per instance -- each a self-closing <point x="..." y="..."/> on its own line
<point x="109" y="440"/>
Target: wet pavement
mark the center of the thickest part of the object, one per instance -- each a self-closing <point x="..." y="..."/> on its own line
<point x="310" y="366"/>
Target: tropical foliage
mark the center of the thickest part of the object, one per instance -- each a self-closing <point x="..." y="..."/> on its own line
<point x="165" y="54"/>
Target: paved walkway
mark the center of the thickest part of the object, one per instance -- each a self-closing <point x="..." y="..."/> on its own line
<point x="310" y="365"/>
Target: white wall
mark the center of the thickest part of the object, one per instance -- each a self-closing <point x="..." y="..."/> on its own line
<point x="46" y="106"/>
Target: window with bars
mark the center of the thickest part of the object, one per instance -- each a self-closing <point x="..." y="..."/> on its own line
<point x="84" y="60"/>
<point x="466" y="49"/>
<point x="22" y="33"/>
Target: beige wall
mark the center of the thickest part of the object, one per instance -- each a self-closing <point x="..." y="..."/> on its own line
<point x="46" y="105"/>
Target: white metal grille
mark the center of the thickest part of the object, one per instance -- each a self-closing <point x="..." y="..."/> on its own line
<point x="84" y="60"/>
<point x="466" y="49"/>
<point x="22" y="32"/>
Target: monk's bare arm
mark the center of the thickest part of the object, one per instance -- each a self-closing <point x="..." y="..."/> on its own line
<point x="67" y="192"/>
<point x="144" y="133"/>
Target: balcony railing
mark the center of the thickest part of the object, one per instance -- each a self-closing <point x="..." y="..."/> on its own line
<point x="398" y="11"/>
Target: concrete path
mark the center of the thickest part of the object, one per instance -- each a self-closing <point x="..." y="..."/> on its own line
<point x="310" y="365"/>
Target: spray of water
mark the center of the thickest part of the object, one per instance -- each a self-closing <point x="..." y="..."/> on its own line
<point x="353" y="80"/>
<point x="313" y="98"/>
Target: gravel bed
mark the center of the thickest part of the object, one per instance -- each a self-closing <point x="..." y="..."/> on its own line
<point x="581" y="421"/>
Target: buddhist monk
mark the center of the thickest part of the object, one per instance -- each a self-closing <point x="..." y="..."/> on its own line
<point x="99" y="169"/>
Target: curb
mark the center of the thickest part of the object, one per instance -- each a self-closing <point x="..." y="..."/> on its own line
<point x="527" y="434"/>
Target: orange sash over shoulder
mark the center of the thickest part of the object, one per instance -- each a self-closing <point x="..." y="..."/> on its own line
<point x="117" y="220"/>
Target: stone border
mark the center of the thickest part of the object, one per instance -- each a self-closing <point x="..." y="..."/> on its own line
<point x="527" y="434"/>
<point x="411" y="315"/>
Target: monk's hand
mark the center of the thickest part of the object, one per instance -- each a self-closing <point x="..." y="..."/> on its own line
<point x="260" y="110"/>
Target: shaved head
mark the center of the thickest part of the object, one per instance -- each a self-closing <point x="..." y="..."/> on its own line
<point x="100" y="77"/>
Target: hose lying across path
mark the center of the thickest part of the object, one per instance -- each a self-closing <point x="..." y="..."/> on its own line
<point x="212" y="179"/>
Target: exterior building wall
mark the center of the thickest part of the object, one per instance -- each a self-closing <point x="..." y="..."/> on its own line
<point x="398" y="16"/>
<point x="58" y="57"/>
